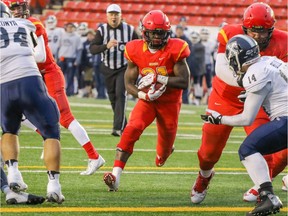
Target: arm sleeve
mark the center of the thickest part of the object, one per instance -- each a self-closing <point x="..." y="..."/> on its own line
<point x="97" y="45"/>
<point x="39" y="50"/>
<point x="252" y="105"/>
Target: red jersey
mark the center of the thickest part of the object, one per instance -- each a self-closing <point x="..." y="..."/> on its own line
<point x="277" y="45"/>
<point x="160" y="62"/>
<point x="49" y="65"/>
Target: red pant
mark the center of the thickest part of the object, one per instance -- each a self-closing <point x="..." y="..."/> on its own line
<point x="223" y="99"/>
<point x="55" y="83"/>
<point x="142" y="116"/>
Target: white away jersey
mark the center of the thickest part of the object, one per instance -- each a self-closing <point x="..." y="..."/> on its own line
<point x="54" y="37"/>
<point x="273" y="70"/>
<point x="17" y="49"/>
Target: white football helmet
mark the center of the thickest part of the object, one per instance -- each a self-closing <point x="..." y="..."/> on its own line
<point x="83" y="28"/>
<point x="51" y="22"/>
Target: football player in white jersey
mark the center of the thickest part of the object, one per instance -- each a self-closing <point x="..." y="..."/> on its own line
<point x="54" y="34"/>
<point x="265" y="81"/>
<point x="23" y="91"/>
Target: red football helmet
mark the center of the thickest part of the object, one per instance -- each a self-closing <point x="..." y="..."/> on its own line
<point x="259" y="17"/>
<point x="19" y="8"/>
<point x="156" y="29"/>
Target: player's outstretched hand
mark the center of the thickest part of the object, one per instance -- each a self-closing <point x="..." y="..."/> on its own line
<point x="212" y="118"/>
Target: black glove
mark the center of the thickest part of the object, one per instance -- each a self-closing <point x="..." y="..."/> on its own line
<point x="242" y="96"/>
<point x="213" y="118"/>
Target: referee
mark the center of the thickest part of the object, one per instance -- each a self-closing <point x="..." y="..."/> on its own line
<point x="110" y="41"/>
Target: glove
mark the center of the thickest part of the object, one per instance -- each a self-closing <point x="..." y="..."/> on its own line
<point x="212" y="118"/>
<point x="152" y="94"/>
<point x="147" y="80"/>
<point x="242" y="96"/>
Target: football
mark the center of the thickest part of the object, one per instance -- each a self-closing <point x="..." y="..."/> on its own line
<point x="146" y="89"/>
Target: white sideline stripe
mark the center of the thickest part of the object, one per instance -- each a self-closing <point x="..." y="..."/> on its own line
<point x="108" y="132"/>
<point x="113" y="149"/>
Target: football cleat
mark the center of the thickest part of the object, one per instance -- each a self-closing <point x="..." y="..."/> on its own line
<point x="111" y="182"/>
<point x="54" y="194"/>
<point x="15" y="181"/>
<point x="93" y="165"/>
<point x="13" y="198"/>
<point x="285" y="183"/>
<point x="159" y="161"/>
<point x="268" y="204"/>
<point x="200" y="187"/>
<point x="251" y="195"/>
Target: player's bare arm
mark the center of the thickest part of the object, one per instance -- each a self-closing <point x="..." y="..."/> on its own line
<point x="130" y="78"/>
<point x="182" y="75"/>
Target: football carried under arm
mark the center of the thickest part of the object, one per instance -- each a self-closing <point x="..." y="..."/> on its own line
<point x="153" y="93"/>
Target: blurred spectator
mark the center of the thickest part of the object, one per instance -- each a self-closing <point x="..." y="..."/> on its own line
<point x="183" y="23"/>
<point x="54" y="34"/>
<point x="197" y="66"/>
<point x="54" y="2"/>
<point x="209" y="50"/>
<point x="70" y="55"/>
<point x="179" y="33"/>
<point x="82" y="30"/>
<point x="99" y="80"/>
<point x="87" y="64"/>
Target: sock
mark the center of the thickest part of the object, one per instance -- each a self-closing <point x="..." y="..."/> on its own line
<point x="206" y="173"/>
<point x="91" y="151"/>
<point x="266" y="186"/>
<point x="257" y="168"/>
<point x="78" y="132"/>
<point x="53" y="175"/>
<point x="6" y="189"/>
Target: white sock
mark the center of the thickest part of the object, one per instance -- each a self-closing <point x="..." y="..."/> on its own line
<point x="206" y="173"/>
<point x="28" y="124"/>
<point x="198" y="90"/>
<point x="117" y="171"/>
<point x="257" y="168"/>
<point x="78" y="132"/>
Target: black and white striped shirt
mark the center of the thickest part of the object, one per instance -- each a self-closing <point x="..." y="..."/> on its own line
<point x="113" y="58"/>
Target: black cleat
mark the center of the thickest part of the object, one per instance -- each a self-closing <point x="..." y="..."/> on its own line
<point x="268" y="204"/>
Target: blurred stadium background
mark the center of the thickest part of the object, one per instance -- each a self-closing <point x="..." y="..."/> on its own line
<point x="209" y="13"/>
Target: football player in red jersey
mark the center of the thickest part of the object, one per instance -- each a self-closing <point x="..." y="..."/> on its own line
<point x="258" y="23"/>
<point x="55" y="82"/>
<point x="157" y="59"/>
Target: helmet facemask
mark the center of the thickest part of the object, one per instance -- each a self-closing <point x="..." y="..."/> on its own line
<point x="156" y="39"/>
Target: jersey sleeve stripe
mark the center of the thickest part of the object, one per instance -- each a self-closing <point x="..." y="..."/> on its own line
<point x="182" y="49"/>
<point x="222" y="32"/>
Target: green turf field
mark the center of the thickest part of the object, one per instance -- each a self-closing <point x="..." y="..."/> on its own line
<point x="144" y="188"/>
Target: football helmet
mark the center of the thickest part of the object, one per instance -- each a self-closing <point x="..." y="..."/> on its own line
<point x="259" y="17"/>
<point x="4" y="11"/>
<point x="156" y="29"/>
<point x="19" y="8"/>
<point x="51" y="22"/>
<point x="241" y="50"/>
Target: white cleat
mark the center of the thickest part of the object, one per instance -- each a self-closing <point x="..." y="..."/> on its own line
<point x="15" y="181"/>
<point x="251" y="195"/>
<point x="54" y="193"/>
<point x="285" y="183"/>
<point x="93" y="166"/>
<point x="200" y="187"/>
